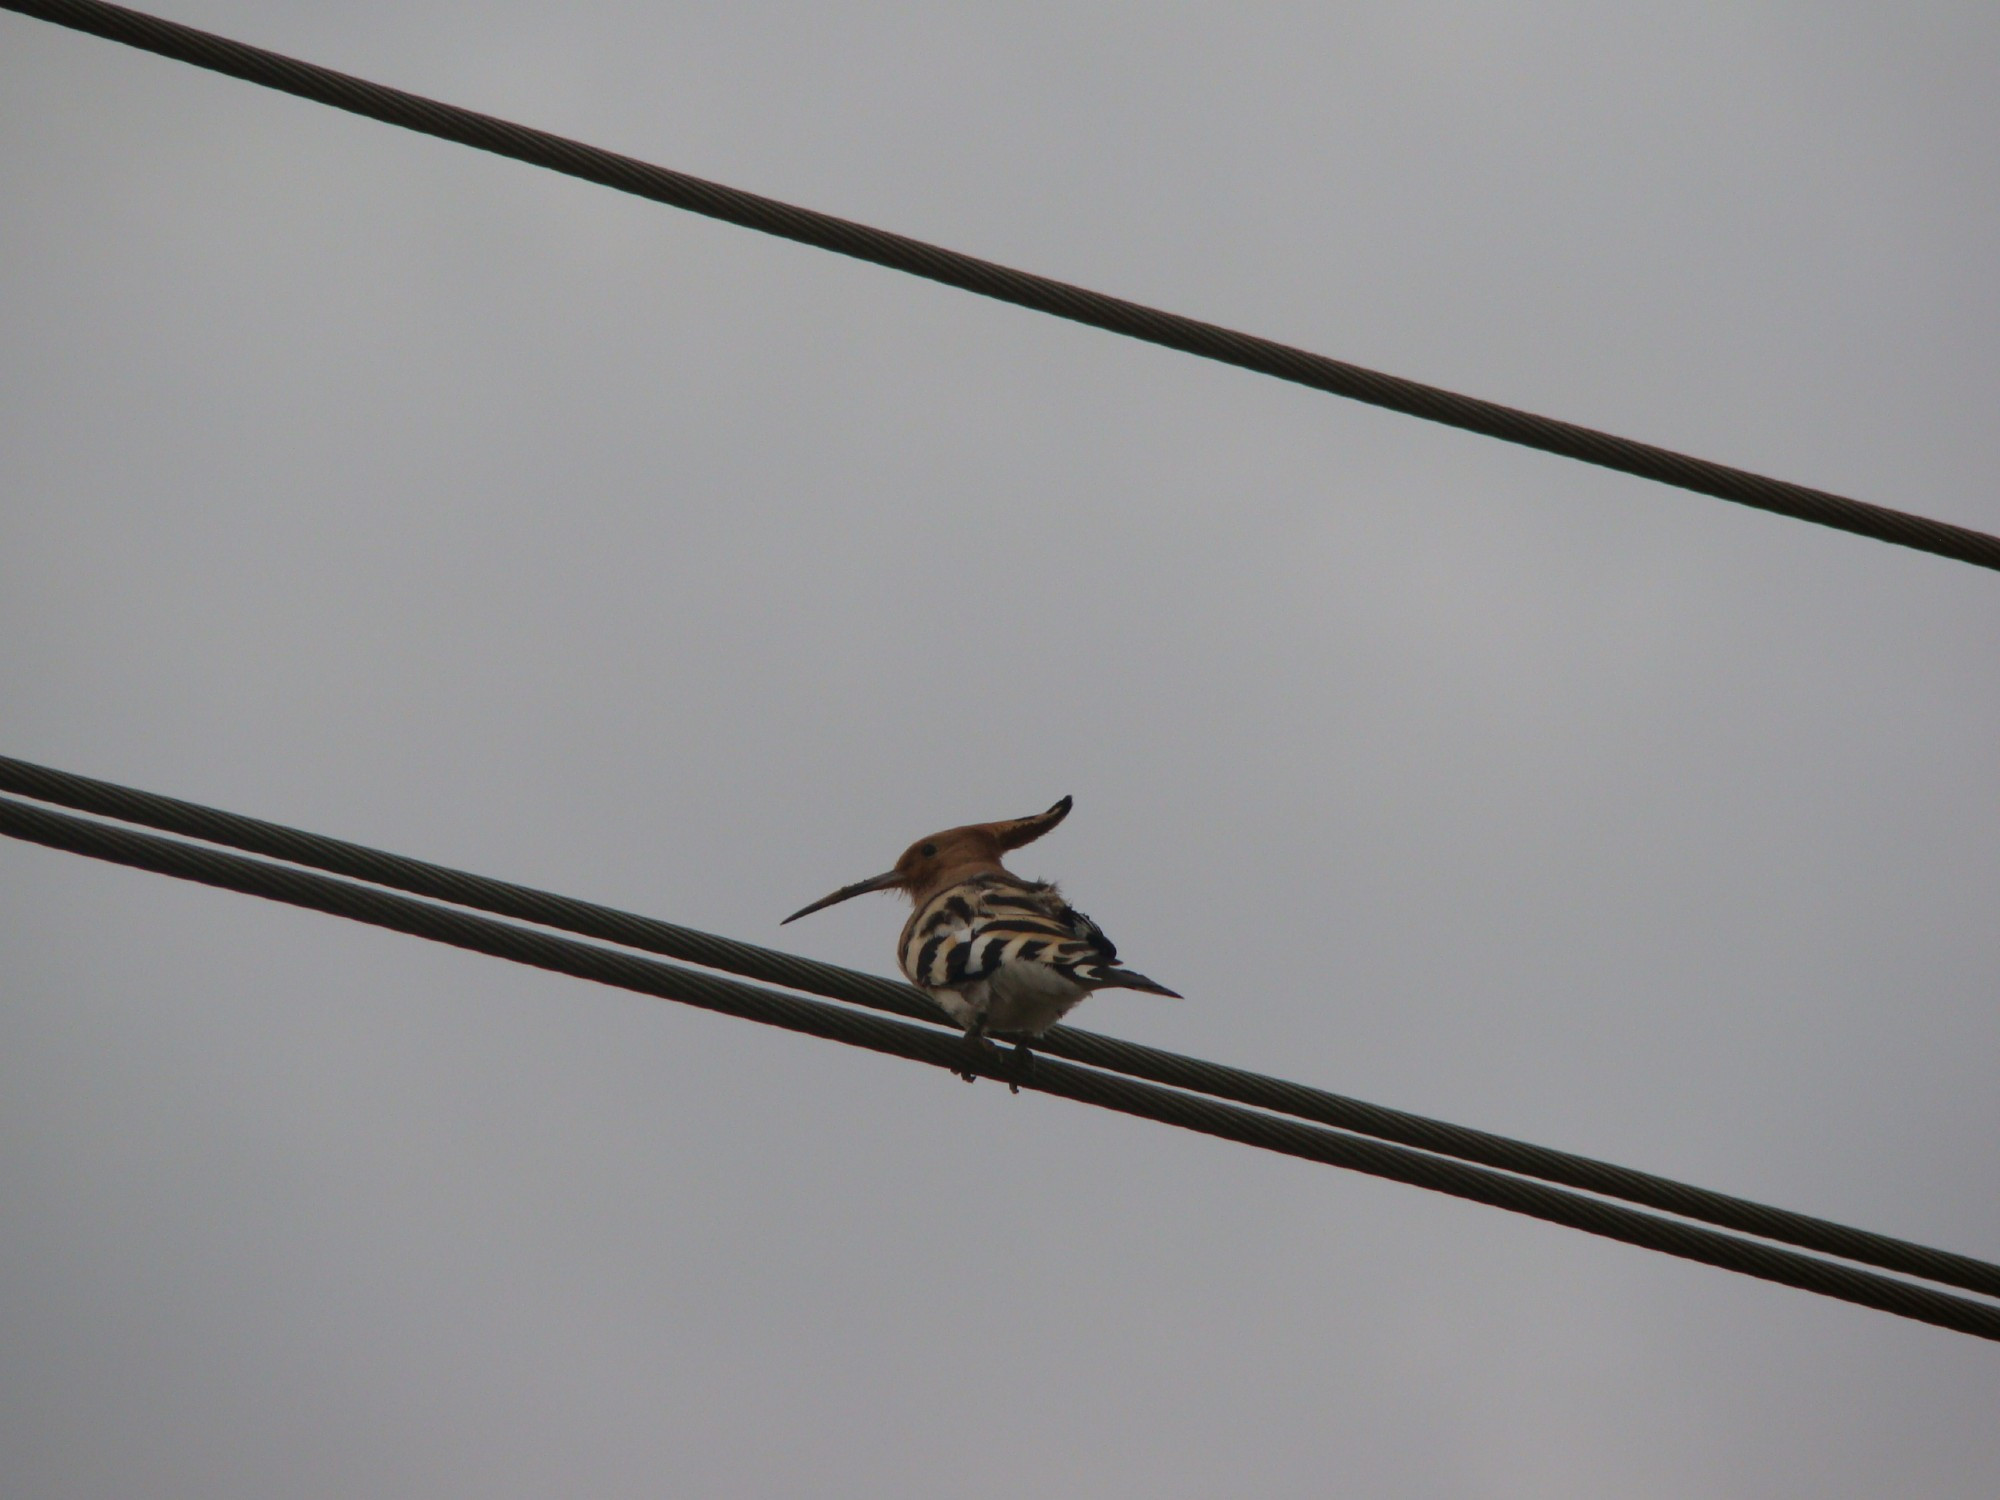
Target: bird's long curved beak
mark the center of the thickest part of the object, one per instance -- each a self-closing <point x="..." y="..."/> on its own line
<point x="884" y="882"/>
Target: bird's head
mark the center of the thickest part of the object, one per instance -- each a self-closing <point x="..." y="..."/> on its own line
<point x="944" y="859"/>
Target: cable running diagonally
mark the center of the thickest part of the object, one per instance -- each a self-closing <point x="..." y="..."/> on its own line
<point x="899" y="252"/>
<point x="107" y="799"/>
<point x="926" y="1044"/>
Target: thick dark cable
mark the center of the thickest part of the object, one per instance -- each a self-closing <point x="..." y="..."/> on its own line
<point x="858" y="1028"/>
<point x="107" y="799"/>
<point x="542" y="149"/>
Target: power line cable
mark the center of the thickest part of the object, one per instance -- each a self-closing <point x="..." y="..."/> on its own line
<point x="1043" y="294"/>
<point x="396" y="107"/>
<point x="107" y="799"/>
<point x="461" y="929"/>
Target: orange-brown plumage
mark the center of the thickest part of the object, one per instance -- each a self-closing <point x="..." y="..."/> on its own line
<point x="956" y="855"/>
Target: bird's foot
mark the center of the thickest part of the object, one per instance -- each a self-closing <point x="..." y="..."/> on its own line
<point x="1020" y="1067"/>
<point x="981" y="1056"/>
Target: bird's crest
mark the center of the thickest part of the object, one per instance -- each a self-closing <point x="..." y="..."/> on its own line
<point x="1015" y="832"/>
<point x="943" y="859"/>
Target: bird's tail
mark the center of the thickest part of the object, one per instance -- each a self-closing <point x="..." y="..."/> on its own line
<point x="1128" y="979"/>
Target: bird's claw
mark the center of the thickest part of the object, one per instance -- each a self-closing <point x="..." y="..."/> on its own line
<point x="1020" y="1067"/>
<point x="981" y="1057"/>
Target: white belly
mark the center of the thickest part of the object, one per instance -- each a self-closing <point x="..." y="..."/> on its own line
<point x="1019" y="999"/>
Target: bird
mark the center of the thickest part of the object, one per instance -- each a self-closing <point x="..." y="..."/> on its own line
<point x="1002" y="956"/>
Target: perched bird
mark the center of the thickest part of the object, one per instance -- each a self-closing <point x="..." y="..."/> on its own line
<point x="1003" y="956"/>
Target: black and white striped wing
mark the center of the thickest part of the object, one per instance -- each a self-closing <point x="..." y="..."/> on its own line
<point x="972" y="931"/>
<point x="1076" y="947"/>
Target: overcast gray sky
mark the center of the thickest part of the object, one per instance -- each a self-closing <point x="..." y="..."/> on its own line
<point x="380" y="487"/>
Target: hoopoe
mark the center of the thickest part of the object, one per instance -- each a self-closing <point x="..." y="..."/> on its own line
<point x="1001" y="955"/>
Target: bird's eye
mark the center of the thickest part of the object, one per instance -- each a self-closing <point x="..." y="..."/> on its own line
<point x="929" y="851"/>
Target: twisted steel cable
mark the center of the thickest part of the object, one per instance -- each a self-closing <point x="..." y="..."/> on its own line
<point x="858" y="1028"/>
<point x="1105" y="1054"/>
<point x="1041" y="293"/>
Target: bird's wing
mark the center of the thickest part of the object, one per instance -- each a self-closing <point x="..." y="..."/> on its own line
<point x="969" y="932"/>
<point x="965" y="934"/>
<point x="1021" y="923"/>
<point x="938" y="941"/>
